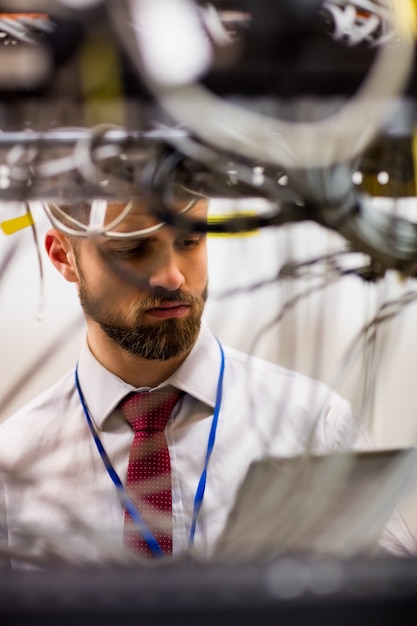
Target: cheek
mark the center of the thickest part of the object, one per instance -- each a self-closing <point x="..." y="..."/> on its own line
<point x="98" y="283"/>
<point x="121" y="275"/>
<point x="103" y="276"/>
<point x="120" y="289"/>
<point x="197" y="267"/>
<point x="195" y="274"/>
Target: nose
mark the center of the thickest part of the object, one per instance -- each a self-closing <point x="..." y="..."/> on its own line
<point x="166" y="273"/>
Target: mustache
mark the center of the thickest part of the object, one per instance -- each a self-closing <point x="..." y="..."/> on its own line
<point x="161" y="296"/>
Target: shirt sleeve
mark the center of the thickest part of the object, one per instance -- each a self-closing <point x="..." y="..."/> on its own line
<point x="396" y="538"/>
<point x="342" y="429"/>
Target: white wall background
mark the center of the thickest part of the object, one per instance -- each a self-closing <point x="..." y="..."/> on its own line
<point x="312" y="337"/>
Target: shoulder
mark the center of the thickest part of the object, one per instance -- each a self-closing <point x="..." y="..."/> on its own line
<point x="58" y="392"/>
<point x="295" y="403"/>
<point x="272" y="376"/>
<point x="38" y="417"/>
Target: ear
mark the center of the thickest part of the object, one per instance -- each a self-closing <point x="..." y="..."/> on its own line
<point x="61" y="253"/>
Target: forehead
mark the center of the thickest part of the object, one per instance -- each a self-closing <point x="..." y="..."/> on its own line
<point x="139" y="215"/>
<point x="115" y="218"/>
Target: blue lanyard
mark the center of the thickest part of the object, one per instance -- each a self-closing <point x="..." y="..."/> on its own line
<point x="124" y="497"/>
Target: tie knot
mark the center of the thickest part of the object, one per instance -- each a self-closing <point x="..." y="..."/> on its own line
<point x="150" y="410"/>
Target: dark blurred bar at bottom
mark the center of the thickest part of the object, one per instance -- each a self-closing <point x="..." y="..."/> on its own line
<point x="287" y="591"/>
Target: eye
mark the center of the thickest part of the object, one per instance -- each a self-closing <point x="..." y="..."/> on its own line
<point x="134" y="250"/>
<point x="190" y="241"/>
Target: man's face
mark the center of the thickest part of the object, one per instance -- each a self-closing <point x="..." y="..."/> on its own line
<point x="146" y="293"/>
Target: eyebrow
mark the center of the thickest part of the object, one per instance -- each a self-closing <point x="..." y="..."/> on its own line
<point x="126" y="241"/>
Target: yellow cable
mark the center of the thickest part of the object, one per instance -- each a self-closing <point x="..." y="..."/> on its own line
<point x="221" y="218"/>
<point x="9" y="227"/>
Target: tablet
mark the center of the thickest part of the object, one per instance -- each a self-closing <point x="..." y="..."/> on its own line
<point x="334" y="504"/>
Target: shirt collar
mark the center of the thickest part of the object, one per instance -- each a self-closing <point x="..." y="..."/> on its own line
<point x="197" y="376"/>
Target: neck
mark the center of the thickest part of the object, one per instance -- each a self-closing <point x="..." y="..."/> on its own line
<point x="132" y="369"/>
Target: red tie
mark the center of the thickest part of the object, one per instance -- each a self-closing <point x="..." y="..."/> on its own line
<point x="149" y="470"/>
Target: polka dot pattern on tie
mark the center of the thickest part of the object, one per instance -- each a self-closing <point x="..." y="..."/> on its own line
<point x="149" y="470"/>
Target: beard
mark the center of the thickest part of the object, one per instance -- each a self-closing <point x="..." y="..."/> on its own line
<point x="159" y="341"/>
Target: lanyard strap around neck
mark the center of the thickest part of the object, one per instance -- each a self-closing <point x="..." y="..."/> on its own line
<point x="124" y="497"/>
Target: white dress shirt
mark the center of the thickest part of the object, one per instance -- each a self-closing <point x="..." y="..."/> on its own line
<point x="57" y="500"/>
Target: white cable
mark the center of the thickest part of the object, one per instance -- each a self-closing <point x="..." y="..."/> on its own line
<point x="97" y="226"/>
